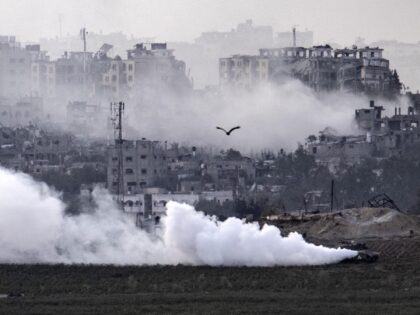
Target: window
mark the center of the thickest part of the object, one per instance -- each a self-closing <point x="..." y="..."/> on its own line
<point x="114" y="78"/>
<point x="114" y="67"/>
<point x="129" y="159"/>
<point x="144" y="171"/>
<point x="114" y="158"/>
<point x="314" y="150"/>
<point x="130" y="67"/>
<point x="143" y="157"/>
<point x="129" y="171"/>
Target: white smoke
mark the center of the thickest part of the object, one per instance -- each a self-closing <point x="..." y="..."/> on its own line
<point x="271" y="116"/>
<point x="35" y="229"/>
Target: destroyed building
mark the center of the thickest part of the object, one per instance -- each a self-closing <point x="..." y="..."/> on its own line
<point x="359" y="70"/>
<point x="379" y="137"/>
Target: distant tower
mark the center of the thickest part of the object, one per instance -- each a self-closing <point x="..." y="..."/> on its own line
<point x="294" y="35"/>
<point x="117" y="111"/>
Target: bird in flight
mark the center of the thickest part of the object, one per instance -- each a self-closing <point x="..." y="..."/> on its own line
<point x="228" y="132"/>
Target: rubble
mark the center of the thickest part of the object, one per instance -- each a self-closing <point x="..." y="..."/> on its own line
<point x="352" y="224"/>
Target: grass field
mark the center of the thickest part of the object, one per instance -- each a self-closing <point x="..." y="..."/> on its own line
<point x="389" y="286"/>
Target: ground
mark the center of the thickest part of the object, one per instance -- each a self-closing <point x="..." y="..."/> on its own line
<point x="388" y="286"/>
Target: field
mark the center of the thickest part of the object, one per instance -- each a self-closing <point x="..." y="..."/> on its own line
<point x="389" y="286"/>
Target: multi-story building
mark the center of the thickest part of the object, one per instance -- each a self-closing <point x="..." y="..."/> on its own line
<point x="72" y="75"/>
<point x="15" y="68"/>
<point x="230" y="174"/>
<point x="42" y="73"/>
<point x="113" y="77"/>
<point x="320" y="67"/>
<point x="155" y="67"/>
<point x="25" y="71"/>
<point x="383" y="137"/>
<point x="47" y="149"/>
<point x="322" y="70"/>
<point x="144" y="162"/>
<point x="243" y="71"/>
<point x="146" y="69"/>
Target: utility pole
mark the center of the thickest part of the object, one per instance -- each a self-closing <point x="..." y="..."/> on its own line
<point x="117" y="111"/>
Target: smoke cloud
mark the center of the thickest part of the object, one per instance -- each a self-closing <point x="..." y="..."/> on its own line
<point x="271" y="117"/>
<point x="35" y="229"/>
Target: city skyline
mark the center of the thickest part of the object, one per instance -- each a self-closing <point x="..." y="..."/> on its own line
<point x="330" y="21"/>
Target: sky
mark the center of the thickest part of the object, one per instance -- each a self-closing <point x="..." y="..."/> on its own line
<point x="184" y="20"/>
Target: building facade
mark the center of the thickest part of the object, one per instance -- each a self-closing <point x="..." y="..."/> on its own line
<point x="144" y="162"/>
<point x="321" y="67"/>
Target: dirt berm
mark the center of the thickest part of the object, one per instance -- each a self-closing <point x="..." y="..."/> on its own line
<point x="360" y="223"/>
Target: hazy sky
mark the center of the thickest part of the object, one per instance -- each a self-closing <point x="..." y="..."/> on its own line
<point x="173" y="20"/>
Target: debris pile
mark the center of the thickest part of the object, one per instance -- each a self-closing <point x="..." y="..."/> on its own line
<point x="360" y="223"/>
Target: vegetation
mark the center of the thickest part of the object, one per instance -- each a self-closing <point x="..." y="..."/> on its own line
<point x="354" y="185"/>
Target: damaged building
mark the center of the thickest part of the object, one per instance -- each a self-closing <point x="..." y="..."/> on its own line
<point x="380" y="137"/>
<point x="358" y="70"/>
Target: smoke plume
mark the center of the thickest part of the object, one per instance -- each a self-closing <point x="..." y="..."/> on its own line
<point x="35" y="229"/>
<point x="271" y="117"/>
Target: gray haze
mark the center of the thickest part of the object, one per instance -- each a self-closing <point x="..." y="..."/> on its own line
<point x="184" y="20"/>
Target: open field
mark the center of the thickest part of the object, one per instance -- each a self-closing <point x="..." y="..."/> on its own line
<point x="389" y="286"/>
